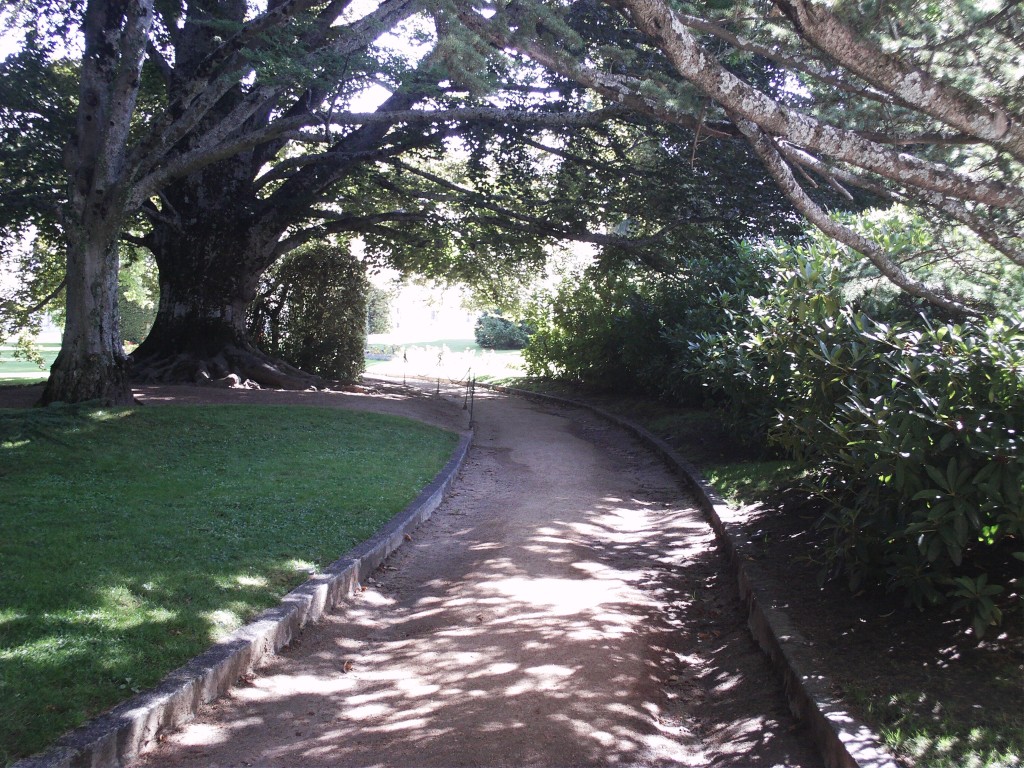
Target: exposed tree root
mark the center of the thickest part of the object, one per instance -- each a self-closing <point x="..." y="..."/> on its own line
<point x="233" y="366"/>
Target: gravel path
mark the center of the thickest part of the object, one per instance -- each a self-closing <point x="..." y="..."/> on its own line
<point x="564" y="607"/>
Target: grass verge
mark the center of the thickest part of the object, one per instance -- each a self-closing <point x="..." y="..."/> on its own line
<point x="130" y="539"/>
<point x="927" y="731"/>
<point x="748" y="482"/>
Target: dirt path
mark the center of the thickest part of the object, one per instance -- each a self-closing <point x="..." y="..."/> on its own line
<point x="564" y="607"/>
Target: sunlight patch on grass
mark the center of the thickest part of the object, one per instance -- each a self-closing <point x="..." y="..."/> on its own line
<point x="750" y="481"/>
<point x="101" y="415"/>
<point x="133" y="538"/>
<point x="943" y="740"/>
<point x="251" y="581"/>
<point x="223" y="622"/>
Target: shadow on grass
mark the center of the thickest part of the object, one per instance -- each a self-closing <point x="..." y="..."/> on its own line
<point x="133" y="538"/>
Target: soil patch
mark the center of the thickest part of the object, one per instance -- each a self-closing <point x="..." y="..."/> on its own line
<point x="377" y="396"/>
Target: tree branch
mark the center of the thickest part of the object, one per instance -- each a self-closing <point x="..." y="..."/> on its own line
<point x="744" y="101"/>
<point x="49" y="297"/>
<point x="909" y="84"/>
<point x="783" y="175"/>
<point x="952" y="208"/>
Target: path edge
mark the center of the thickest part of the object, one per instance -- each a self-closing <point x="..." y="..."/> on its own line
<point x="121" y="734"/>
<point x="843" y="740"/>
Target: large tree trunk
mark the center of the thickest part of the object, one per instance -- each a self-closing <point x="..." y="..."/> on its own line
<point x="208" y="277"/>
<point x="91" y="364"/>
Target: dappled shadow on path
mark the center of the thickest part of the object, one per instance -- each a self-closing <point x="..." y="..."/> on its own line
<point x="566" y="607"/>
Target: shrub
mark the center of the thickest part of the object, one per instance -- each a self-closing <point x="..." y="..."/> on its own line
<point x="748" y="367"/>
<point x="909" y="430"/>
<point x="630" y="330"/>
<point x="311" y="312"/>
<point x="922" y="453"/>
<point x="378" y="310"/>
<point x="588" y="331"/>
<point x="495" y="332"/>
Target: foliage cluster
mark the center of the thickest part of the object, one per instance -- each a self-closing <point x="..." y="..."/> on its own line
<point x="378" y="309"/>
<point x="909" y="429"/>
<point x="496" y="332"/>
<point x="610" y="328"/>
<point x="311" y="311"/>
<point x="904" y="418"/>
<point x="137" y="296"/>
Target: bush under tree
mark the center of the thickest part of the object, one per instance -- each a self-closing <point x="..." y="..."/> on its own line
<point x="496" y="332"/>
<point x="627" y="329"/>
<point x="909" y="430"/>
<point x="378" y="309"/>
<point x="311" y="311"/>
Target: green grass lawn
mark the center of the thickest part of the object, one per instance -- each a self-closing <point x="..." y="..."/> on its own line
<point x="131" y="539"/>
<point x="16" y="371"/>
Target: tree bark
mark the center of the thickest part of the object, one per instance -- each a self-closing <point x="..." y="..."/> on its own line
<point x="208" y="277"/>
<point x="91" y="363"/>
<point x="657" y="19"/>
<point x="911" y="85"/>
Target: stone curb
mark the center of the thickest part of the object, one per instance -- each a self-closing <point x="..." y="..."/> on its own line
<point x="843" y="740"/>
<point x="119" y="735"/>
